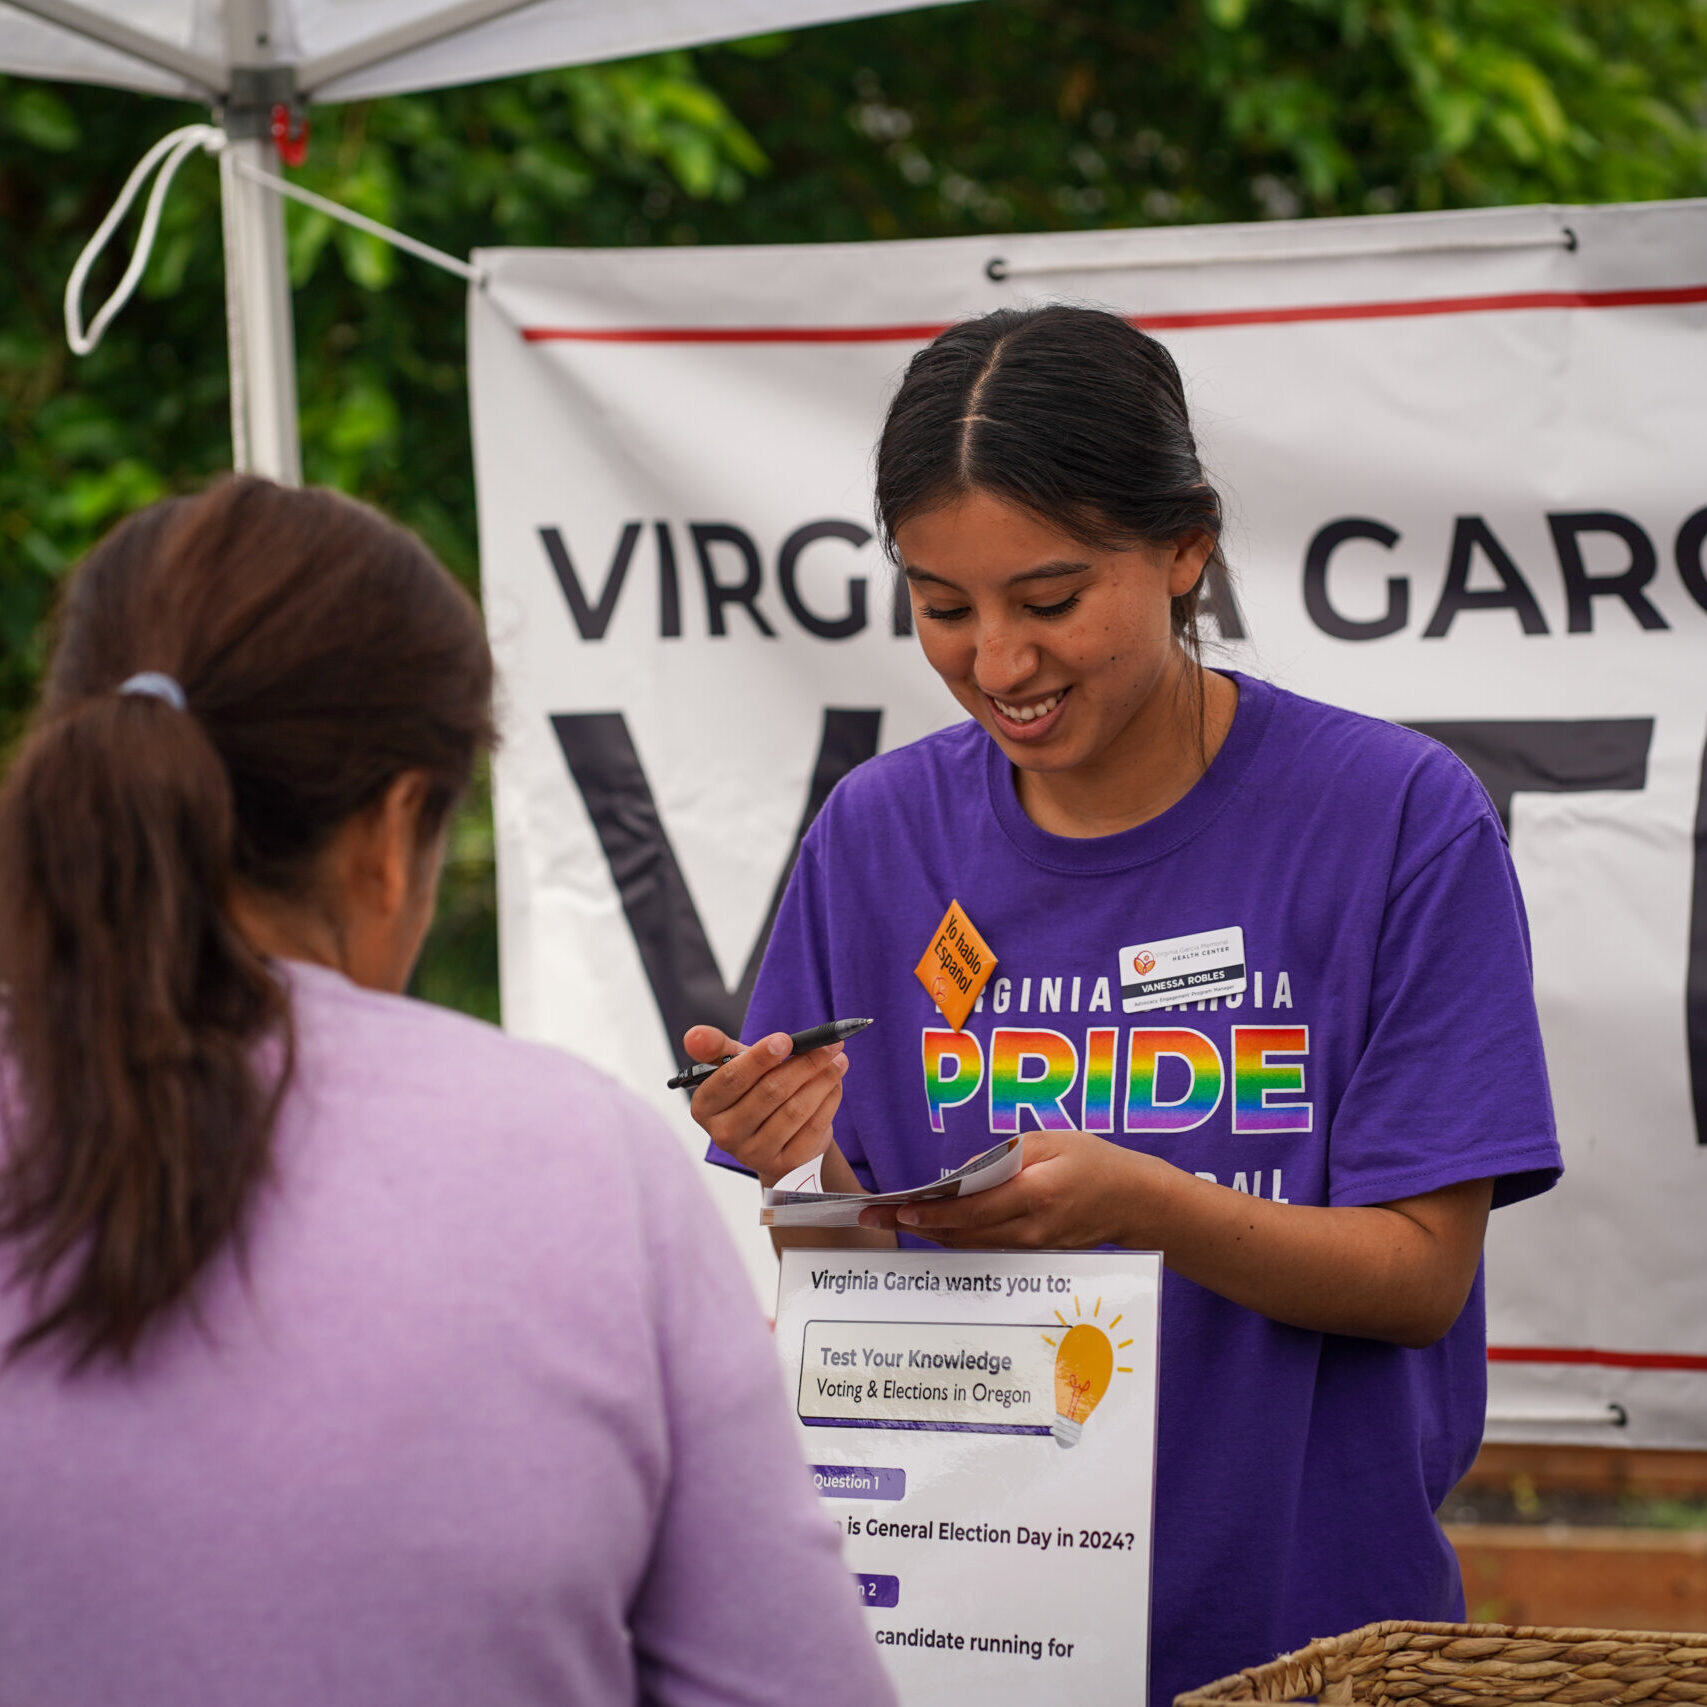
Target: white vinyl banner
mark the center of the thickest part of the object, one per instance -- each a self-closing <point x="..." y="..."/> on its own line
<point x="1463" y="459"/>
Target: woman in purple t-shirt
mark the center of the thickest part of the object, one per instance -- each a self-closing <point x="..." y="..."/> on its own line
<point x="1316" y="1140"/>
<point x="350" y="1351"/>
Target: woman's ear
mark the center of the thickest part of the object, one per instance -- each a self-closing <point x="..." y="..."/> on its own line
<point x="1186" y="567"/>
<point x="387" y="871"/>
<point x="383" y="856"/>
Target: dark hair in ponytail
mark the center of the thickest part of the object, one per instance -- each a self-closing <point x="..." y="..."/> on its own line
<point x="322" y="652"/>
<point x="1071" y="413"/>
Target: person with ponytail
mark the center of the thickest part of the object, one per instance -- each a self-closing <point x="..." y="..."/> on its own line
<point x="350" y="1351"/>
<point x="1315" y="1140"/>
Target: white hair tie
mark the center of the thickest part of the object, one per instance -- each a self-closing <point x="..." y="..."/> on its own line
<point x="155" y="685"/>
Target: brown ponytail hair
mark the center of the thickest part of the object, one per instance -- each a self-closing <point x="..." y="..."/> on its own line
<point x="322" y="651"/>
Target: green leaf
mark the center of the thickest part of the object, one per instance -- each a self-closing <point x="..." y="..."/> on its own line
<point x="1458" y="114"/>
<point x="42" y="119"/>
<point x="307" y="232"/>
<point x="366" y="418"/>
<point x="101" y="496"/>
<point x="23" y="604"/>
<point x="762" y="47"/>
<point x="692" y="157"/>
<point x="369" y="261"/>
<point x="1517" y="137"/>
<point x="169" y="263"/>
<point x="1226" y="14"/>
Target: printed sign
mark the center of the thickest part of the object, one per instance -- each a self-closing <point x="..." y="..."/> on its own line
<point x="983" y="1427"/>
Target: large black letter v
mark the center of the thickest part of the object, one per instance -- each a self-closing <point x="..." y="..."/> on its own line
<point x="683" y="973"/>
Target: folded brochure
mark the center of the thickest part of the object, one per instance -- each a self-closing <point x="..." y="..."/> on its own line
<point x="796" y="1201"/>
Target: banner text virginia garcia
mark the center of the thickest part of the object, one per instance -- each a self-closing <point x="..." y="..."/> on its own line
<point x="732" y="579"/>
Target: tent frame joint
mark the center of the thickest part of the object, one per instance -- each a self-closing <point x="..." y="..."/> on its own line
<point x="247" y="109"/>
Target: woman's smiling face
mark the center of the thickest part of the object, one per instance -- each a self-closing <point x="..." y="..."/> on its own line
<point x="1054" y="647"/>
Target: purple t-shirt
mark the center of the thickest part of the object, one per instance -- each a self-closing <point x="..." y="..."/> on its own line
<point x="493" y="1418"/>
<point x="1386" y="1046"/>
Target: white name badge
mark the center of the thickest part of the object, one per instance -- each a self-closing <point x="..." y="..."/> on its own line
<point x="982" y="1427"/>
<point x="1182" y="968"/>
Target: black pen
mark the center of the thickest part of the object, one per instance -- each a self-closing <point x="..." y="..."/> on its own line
<point x="836" y="1031"/>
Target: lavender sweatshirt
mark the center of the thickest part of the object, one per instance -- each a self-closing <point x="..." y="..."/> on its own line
<point x="490" y="1419"/>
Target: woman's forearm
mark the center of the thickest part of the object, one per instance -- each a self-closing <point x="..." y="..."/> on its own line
<point x="1398" y="1272"/>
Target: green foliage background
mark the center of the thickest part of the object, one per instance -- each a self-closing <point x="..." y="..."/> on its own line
<point x="995" y="115"/>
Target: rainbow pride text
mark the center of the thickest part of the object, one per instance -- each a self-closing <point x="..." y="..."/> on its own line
<point x="1167" y="1079"/>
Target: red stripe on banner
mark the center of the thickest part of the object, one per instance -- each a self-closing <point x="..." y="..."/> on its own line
<point x="1433" y="305"/>
<point x="1669" y="297"/>
<point x="1605" y="1359"/>
<point x="732" y="334"/>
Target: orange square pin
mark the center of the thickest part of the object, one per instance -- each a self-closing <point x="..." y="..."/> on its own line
<point x="956" y="966"/>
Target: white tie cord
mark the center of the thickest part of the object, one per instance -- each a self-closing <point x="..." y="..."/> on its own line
<point x="169" y="153"/>
<point x="173" y="149"/>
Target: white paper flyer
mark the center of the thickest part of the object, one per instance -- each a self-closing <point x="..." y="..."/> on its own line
<point x="796" y="1201"/>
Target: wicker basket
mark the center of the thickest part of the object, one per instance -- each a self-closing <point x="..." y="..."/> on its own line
<point x="1474" y="1665"/>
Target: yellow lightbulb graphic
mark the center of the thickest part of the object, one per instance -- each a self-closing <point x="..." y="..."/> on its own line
<point x="1084" y="1366"/>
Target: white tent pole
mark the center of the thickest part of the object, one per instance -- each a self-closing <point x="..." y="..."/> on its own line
<point x="258" y="320"/>
<point x="264" y="434"/>
<point x="102" y="27"/>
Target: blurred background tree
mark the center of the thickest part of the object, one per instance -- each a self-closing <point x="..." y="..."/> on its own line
<point x="995" y="115"/>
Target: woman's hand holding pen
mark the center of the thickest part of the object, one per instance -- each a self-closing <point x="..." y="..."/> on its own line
<point x="769" y="1109"/>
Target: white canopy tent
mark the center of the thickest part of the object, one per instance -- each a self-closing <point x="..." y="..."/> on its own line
<point x="246" y="57"/>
